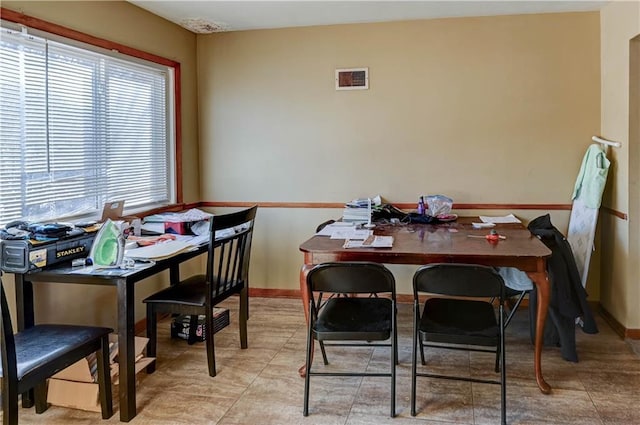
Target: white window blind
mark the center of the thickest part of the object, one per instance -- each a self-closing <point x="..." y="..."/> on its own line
<point x="79" y="128"/>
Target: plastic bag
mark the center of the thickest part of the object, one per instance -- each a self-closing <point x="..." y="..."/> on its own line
<point x="438" y="205"/>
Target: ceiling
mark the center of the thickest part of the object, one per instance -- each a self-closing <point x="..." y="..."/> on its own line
<point x="240" y="15"/>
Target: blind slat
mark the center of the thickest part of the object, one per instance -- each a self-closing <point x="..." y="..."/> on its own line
<point x="79" y="128"/>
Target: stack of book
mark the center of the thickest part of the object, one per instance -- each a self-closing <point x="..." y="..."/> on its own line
<point x="357" y="211"/>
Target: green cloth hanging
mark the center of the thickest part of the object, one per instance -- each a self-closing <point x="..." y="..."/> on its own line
<point x="592" y="177"/>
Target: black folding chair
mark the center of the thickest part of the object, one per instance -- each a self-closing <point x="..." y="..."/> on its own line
<point x="358" y="317"/>
<point x="450" y="322"/>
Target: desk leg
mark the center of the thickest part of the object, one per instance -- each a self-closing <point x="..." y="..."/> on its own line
<point x="305" y="304"/>
<point x="541" y="280"/>
<point x="174" y="274"/>
<point x="26" y="318"/>
<point x="126" y="350"/>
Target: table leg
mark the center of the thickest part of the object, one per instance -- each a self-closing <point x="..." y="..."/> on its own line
<point x="126" y="350"/>
<point x="26" y="319"/>
<point x="174" y="274"/>
<point x="543" y="286"/>
<point x="305" y="304"/>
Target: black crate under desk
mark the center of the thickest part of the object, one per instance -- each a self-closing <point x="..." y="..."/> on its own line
<point x="180" y="324"/>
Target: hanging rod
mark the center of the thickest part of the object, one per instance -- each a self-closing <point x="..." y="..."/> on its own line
<point x="606" y="142"/>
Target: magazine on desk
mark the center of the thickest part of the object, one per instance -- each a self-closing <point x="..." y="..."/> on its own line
<point x="166" y="249"/>
<point x="160" y="250"/>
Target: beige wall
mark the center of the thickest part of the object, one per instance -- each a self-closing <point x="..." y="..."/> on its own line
<point x="620" y="277"/>
<point x="123" y="23"/>
<point x="495" y="109"/>
<point x="485" y="110"/>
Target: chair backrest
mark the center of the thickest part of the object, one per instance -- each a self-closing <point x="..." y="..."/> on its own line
<point x="229" y="255"/>
<point x="8" y="368"/>
<point x="351" y="277"/>
<point x="467" y="280"/>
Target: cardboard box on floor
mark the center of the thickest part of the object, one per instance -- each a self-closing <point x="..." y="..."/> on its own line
<point x="77" y="386"/>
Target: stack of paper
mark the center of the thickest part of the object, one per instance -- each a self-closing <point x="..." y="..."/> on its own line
<point x="337" y="226"/>
<point x="505" y="219"/>
<point x="159" y="251"/>
<point x="359" y="210"/>
<point x="356" y="214"/>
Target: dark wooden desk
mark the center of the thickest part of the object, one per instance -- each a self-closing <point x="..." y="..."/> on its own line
<point x="124" y="281"/>
<point x="446" y="243"/>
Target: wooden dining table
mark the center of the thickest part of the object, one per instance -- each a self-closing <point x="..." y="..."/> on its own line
<point x="452" y="242"/>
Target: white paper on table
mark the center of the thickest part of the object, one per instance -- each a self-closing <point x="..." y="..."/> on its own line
<point x="197" y="240"/>
<point x="483" y="225"/>
<point x="338" y="225"/>
<point x="373" y="242"/>
<point x="353" y="233"/>
<point x="159" y="250"/>
<point x="504" y="219"/>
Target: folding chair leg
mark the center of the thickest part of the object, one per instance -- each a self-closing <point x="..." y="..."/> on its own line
<point x="414" y="359"/>
<point x="395" y="350"/>
<point x="503" y="373"/>
<point x="394" y="361"/>
<point x="324" y="353"/>
<point x="514" y="308"/>
<point x="503" y="404"/>
<point x="307" y="376"/>
<point x="424" y="362"/>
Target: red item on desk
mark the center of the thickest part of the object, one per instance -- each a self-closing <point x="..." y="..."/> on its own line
<point x="151" y="240"/>
<point x="494" y="237"/>
<point x="178" y="227"/>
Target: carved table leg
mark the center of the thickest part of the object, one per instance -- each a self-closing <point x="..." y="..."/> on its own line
<point x="543" y="286"/>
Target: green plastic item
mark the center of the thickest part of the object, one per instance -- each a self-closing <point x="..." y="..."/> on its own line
<point x="108" y="246"/>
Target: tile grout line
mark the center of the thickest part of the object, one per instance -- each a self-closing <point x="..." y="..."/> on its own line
<point x="239" y="397"/>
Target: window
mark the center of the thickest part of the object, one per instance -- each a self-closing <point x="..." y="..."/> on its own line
<point x="79" y="128"/>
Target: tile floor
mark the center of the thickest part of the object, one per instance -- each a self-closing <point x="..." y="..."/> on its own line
<point x="260" y="385"/>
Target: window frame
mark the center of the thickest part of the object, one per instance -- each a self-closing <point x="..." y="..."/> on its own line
<point x="72" y="36"/>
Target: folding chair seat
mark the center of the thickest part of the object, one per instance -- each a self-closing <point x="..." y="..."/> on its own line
<point x="365" y="312"/>
<point x="450" y="322"/>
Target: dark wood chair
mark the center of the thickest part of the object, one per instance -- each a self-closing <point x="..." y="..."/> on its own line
<point x="31" y="356"/>
<point x="227" y="274"/>
<point x="450" y="322"/>
<point x="356" y="319"/>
